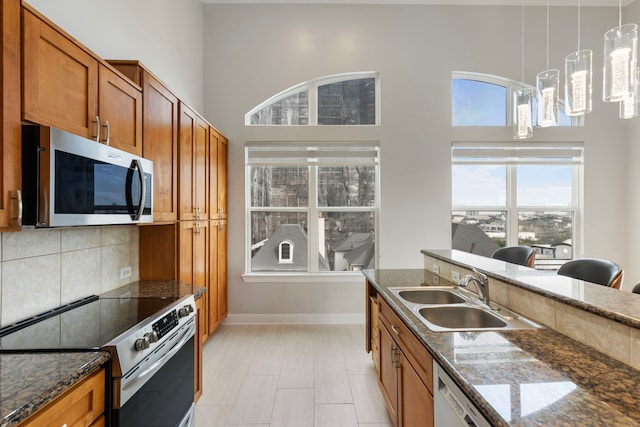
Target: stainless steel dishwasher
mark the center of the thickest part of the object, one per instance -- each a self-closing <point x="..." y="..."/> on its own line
<point x="450" y="406"/>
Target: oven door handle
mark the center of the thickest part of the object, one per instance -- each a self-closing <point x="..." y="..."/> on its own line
<point x="186" y="337"/>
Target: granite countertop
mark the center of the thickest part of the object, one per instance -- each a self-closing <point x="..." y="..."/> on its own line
<point x="597" y="299"/>
<point x="29" y="381"/>
<point x="156" y="289"/>
<point x="533" y="377"/>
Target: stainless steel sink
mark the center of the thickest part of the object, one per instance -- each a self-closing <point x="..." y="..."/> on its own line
<point x="430" y="296"/>
<point x="461" y="317"/>
<point x="453" y="309"/>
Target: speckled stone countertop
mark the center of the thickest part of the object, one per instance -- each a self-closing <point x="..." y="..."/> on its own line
<point x="622" y="306"/>
<point x="535" y="377"/>
<point x="156" y="289"/>
<point x="28" y="381"/>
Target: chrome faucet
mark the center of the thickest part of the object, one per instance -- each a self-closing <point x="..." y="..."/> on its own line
<point x="482" y="285"/>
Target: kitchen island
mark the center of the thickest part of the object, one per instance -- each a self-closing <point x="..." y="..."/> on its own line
<point x="533" y="377"/>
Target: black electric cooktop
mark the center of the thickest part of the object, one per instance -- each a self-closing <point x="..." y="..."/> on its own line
<point x="87" y="324"/>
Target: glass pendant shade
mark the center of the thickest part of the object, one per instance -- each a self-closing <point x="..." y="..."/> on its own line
<point x="523" y="101"/>
<point x="629" y="105"/>
<point x="620" y="58"/>
<point x="577" y="86"/>
<point x="547" y="83"/>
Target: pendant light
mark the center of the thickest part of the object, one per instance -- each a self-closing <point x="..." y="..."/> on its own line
<point x="522" y="101"/>
<point x="629" y="105"/>
<point x="577" y="85"/>
<point x="547" y="83"/>
<point x="620" y="60"/>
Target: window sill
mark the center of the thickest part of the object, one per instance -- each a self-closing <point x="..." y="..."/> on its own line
<point x="354" y="277"/>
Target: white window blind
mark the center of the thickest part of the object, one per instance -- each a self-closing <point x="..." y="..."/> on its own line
<point x="511" y="153"/>
<point x="305" y="154"/>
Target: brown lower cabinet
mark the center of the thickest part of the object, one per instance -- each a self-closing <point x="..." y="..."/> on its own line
<point x="199" y="340"/>
<point x="405" y="372"/>
<point x="80" y="406"/>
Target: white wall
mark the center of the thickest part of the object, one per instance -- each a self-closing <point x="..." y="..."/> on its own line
<point x="255" y="51"/>
<point x="165" y="35"/>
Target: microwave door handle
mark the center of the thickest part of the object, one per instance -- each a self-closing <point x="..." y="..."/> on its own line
<point x="143" y="188"/>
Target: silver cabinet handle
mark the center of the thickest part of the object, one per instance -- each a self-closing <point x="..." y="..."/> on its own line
<point x="16" y="197"/>
<point x="108" y="133"/>
<point x="98" y="128"/>
<point x="395" y="330"/>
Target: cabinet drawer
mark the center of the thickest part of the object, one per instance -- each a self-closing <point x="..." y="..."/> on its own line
<point x="413" y="349"/>
<point x="78" y="407"/>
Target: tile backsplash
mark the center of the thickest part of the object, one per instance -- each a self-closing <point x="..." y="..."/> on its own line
<point x="45" y="268"/>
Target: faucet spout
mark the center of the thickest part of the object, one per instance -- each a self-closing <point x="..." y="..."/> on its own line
<point x="482" y="285"/>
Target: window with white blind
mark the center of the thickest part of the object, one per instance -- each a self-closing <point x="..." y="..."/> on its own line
<point x="506" y="194"/>
<point x="311" y="209"/>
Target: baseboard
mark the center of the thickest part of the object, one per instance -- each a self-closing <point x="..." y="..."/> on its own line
<point x="295" y="319"/>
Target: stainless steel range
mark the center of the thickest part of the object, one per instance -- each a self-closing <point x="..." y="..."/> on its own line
<point x="151" y="342"/>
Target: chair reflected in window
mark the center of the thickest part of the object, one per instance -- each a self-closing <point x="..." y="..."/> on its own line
<point x="594" y="270"/>
<point x="521" y="255"/>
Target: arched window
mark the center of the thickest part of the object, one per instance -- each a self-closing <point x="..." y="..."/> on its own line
<point x="285" y="252"/>
<point x="341" y="99"/>
<point x="486" y="100"/>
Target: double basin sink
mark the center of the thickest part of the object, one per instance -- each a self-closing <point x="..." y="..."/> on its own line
<point x="451" y="309"/>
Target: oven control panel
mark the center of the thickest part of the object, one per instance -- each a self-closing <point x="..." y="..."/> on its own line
<point x="163" y="326"/>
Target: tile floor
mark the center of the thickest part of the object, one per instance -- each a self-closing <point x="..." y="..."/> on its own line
<point x="289" y="375"/>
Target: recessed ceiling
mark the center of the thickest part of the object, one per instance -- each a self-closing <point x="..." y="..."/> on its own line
<point x="436" y="2"/>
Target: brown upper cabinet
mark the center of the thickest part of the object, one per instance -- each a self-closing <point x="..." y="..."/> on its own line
<point x="160" y="108"/>
<point x="193" y="160"/>
<point x="217" y="175"/>
<point x="10" y="155"/>
<point x="66" y="86"/>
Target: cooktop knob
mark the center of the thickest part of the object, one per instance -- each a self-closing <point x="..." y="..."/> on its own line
<point x="151" y="336"/>
<point x="184" y="311"/>
<point x="142" y="343"/>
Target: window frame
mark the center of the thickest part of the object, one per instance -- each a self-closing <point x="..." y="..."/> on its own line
<point x="313" y="273"/>
<point x="312" y="87"/>
<point x="511" y="86"/>
<point x="511" y="164"/>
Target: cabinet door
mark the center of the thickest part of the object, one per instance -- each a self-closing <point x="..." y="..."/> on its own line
<point x="222" y="269"/>
<point x="120" y="111"/>
<point x="201" y="169"/>
<point x="193" y="252"/>
<point x="217" y="175"/>
<point x="415" y="401"/>
<point x="388" y="375"/>
<point x="223" y="147"/>
<point x="10" y="131"/>
<point x="212" y="291"/>
<point x="213" y="173"/>
<point x="160" y="144"/>
<point x="186" y="138"/>
<point x="60" y="79"/>
<point x="193" y="134"/>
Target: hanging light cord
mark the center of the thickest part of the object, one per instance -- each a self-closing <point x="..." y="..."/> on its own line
<point x="548" y="34"/>
<point x="619" y="13"/>
<point x="578" y="25"/>
<point x="522" y="45"/>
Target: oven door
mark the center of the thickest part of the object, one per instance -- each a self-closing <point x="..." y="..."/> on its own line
<point x="159" y="391"/>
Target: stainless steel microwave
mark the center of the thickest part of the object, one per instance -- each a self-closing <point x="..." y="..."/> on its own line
<point x="69" y="180"/>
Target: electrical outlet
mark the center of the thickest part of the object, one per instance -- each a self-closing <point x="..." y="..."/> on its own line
<point x="436" y="268"/>
<point x="455" y="276"/>
<point x="436" y="279"/>
<point x="125" y="273"/>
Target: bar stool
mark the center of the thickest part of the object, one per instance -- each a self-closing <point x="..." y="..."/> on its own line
<point x="593" y="270"/>
<point x="521" y="255"/>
